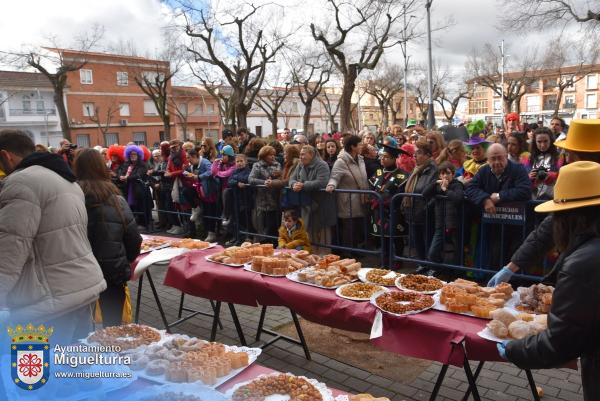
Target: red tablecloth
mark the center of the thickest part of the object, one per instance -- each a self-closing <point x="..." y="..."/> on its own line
<point x="431" y="335"/>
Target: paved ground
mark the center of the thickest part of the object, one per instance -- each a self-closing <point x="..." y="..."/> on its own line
<point x="498" y="381"/>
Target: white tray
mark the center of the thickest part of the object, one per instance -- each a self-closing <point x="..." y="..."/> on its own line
<point x="294" y="277"/>
<point x="321" y="387"/>
<point x="374" y="297"/>
<point x="59" y="389"/>
<point x="253" y="354"/>
<point x="248" y="267"/>
<point x="362" y="276"/>
<point x="488" y="335"/>
<point x="210" y="245"/>
<point x="338" y="292"/>
<point x="221" y="263"/>
<point x="510" y="305"/>
<point x="193" y="389"/>
<point x="401" y="287"/>
<point x="163" y="337"/>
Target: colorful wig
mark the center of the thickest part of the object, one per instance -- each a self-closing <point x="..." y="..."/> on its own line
<point x="136" y="149"/>
<point x="147" y="153"/>
<point x="116" y="150"/>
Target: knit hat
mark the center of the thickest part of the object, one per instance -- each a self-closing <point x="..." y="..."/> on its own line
<point x="228" y="150"/>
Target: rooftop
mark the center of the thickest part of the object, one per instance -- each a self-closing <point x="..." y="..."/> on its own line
<point x="20" y="79"/>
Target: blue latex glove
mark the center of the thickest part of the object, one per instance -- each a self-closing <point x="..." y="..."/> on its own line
<point x="502" y="349"/>
<point x="503" y="276"/>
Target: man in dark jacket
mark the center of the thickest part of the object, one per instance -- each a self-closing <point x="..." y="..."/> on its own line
<point x="499" y="181"/>
<point x="583" y="143"/>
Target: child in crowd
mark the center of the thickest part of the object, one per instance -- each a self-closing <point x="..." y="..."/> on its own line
<point x="237" y="181"/>
<point x="446" y="211"/>
<point x="292" y="234"/>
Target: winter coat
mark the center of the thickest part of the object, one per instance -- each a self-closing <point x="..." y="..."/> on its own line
<point x="221" y="172"/>
<point x="537" y="244"/>
<point x="295" y="239"/>
<point x="513" y="185"/>
<point x="47" y="267"/>
<point x="321" y="211"/>
<point x="239" y="175"/>
<point x="114" y="238"/>
<point x="446" y="210"/>
<point x="134" y="182"/>
<point x="267" y="199"/>
<point x="348" y="173"/>
<point x="573" y="322"/>
<point x="419" y="207"/>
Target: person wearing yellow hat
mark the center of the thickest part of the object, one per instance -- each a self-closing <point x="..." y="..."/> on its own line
<point x="582" y="143"/>
<point x="574" y="318"/>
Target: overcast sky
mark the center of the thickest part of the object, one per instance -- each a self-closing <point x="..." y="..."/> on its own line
<point x="138" y="21"/>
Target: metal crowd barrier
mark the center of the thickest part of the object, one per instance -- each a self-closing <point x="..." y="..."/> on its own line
<point x="491" y="233"/>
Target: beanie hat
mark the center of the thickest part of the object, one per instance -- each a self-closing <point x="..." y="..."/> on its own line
<point x="228" y="150"/>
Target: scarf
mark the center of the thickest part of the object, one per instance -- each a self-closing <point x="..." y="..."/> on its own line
<point x="411" y="183"/>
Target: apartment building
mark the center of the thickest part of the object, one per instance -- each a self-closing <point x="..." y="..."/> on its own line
<point x="104" y="103"/>
<point x="196" y="113"/>
<point x="27" y="103"/>
<point x="539" y="102"/>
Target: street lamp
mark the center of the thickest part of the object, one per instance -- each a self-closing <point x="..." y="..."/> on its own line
<point x="406" y="59"/>
<point x="430" y="112"/>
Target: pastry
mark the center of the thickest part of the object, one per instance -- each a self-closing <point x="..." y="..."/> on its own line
<point x="504" y="316"/>
<point x="404" y="302"/>
<point x="381" y="277"/>
<point x="519" y="329"/>
<point x="420" y="283"/>
<point x="297" y="388"/>
<point x="126" y="337"/>
<point x="498" y="328"/>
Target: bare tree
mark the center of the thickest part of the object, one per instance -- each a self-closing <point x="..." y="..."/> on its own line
<point x="103" y="120"/>
<point x="383" y="85"/>
<point x="243" y="62"/>
<point x="270" y="101"/>
<point x="569" y="60"/>
<point x="181" y="111"/>
<point x="419" y="75"/>
<point x="310" y="76"/>
<point x="450" y="92"/>
<point x="528" y="14"/>
<point x="331" y="108"/>
<point x="357" y="44"/>
<point x="54" y="65"/>
<point x="484" y="69"/>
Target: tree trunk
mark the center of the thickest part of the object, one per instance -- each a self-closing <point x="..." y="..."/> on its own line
<point x="306" y="116"/>
<point x="346" y="99"/>
<point x="167" y="129"/>
<point x="331" y="123"/>
<point x="273" y="120"/>
<point x="507" y="105"/>
<point x="241" y="112"/>
<point x="62" y="113"/>
<point x="561" y="89"/>
<point x="384" y="115"/>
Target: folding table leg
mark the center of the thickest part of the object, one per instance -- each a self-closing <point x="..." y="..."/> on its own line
<point x="236" y="322"/>
<point x="536" y="396"/>
<point x="213" y="332"/>
<point x="438" y="383"/>
<point x="158" y="304"/>
<point x="471" y="380"/>
<point x="212" y="304"/>
<point x="180" y="305"/>
<point x="139" y="299"/>
<point x="261" y="322"/>
<point x="475" y="376"/>
<point x="300" y="335"/>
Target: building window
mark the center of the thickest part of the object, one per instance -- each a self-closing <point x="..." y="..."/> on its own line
<point x="139" y="138"/>
<point x="567" y="78"/>
<point x="82" y="140"/>
<point x="26" y="105"/>
<point x="478" y="106"/>
<point x="497" y="106"/>
<point x="591" y="101"/>
<point x="161" y="136"/>
<point x="85" y="77"/>
<point x="111" y="139"/>
<point x="198" y="109"/>
<point x="88" y="109"/>
<point x="153" y="77"/>
<point x="122" y="78"/>
<point x="294" y="107"/>
<point x="258" y="130"/>
<point x="210" y="108"/>
<point x="212" y="133"/>
<point x="124" y="109"/>
<point x="591" y="81"/>
<point x="150" y="108"/>
<point x="569" y="102"/>
<point x="533" y="103"/>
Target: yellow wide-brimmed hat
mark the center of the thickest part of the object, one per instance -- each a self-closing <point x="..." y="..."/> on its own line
<point x="583" y="136"/>
<point x="578" y="185"/>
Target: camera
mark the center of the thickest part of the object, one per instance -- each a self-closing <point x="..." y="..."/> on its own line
<point x="72" y="146"/>
<point x="542" y="173"/>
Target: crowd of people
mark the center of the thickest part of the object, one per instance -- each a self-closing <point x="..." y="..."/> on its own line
<point x="201" y="189"/>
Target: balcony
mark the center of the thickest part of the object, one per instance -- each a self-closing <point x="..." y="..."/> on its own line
<point x="32" y="112"/>
<point x="569" y="106"/>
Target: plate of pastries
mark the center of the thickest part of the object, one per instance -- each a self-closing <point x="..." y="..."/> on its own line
<point x="150" y="244"/>
<point x="181" y="359"/>
<point x="330" y="272"/>
<point x="286" y="385"/>
<point x="469" y="298"/>
<point x="508" y="324"/>
<point x="193" y="244"/>
<point x="237" y="256"/>
<point x="402" y="303"/>
<point x="419" y="283"/>
<point x="359" y="291"/>
<point x="378" y="276"/>
<point x="535" y="299"/>
<point x="271" y="266"/>
<point x="127" y="336"/>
